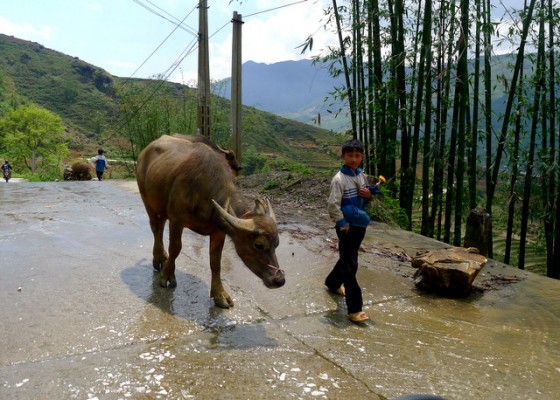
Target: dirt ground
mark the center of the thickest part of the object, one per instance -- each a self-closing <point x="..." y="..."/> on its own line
<point x="293" y="196"/>
<point x="298" y="198"/>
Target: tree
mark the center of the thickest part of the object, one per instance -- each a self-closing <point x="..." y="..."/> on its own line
<point x="414" y="69"/>
<point x="34" y="137"/>
<point x="552" y="217"/>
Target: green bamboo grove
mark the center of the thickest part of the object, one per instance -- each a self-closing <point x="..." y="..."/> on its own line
<point x="456" y="103"/>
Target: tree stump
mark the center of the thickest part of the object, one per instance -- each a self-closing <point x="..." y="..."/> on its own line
<point x="478" y="230"/>
<point x="449" y="271"/>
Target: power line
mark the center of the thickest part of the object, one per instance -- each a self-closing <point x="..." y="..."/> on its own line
<point x="276" y="8"/>
<point x="161" y="44"/>
<point x="222" y="27"/>
<point x="188" y="50"/>
<point x="165" y="75"/>
<point x="186" y="28"/>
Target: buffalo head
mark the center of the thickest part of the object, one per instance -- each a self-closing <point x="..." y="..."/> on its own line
<point x="255" y="237"/>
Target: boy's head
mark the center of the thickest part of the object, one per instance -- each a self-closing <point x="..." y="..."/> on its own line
<point x="352" y="154"/>
<point x="100" y="151"/>
<point x="352" y="145"/>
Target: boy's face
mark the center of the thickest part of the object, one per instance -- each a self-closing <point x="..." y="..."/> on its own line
<point x="353" y="159"/>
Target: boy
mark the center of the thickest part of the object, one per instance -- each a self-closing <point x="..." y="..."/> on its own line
<point x="349" y="193"/>
<point x="100" y="163"/>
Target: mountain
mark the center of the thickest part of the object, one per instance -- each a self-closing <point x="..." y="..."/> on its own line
<point x="293" y="89"/>
<point x="301" y="91"/>
<point x="87" y="98"/>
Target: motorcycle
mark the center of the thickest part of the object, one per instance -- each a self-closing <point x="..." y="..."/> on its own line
<point x="7" y="174"/>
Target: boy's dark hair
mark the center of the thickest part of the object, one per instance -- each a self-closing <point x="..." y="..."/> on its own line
<point x="352" y="145"/>
<point x="100" y="151"/>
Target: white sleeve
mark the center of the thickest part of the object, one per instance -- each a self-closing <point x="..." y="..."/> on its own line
<point x="335" y="199"/>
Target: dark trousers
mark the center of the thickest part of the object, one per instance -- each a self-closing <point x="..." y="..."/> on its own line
<point x="99" y="174"/>
<point x="344" y="272"/>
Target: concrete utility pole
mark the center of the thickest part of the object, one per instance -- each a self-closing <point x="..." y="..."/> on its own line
<point x="236" y="98"/>
<point x="203" y="114"/>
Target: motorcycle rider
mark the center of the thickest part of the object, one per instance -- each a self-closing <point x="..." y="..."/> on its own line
<point x="7" y="170"/>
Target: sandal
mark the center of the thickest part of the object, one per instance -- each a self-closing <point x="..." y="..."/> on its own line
<point x="359" y="316"/>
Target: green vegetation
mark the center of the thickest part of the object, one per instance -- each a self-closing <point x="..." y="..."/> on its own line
<point x="385" y="208"/>
<point x="123" y="115"/>
<point x="34" y="137"/>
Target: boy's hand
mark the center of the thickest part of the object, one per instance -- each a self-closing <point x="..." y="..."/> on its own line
<point x="345" y="228"/>
<point x="365" y="193"/>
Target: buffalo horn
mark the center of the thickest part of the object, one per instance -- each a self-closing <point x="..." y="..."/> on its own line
<point x="270" y="210"/>
<point x="259" y="207"/>
<point x="239" y="223"/>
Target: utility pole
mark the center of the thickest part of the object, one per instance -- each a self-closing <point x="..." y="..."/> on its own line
<point x="236" y="98"/>
<point x="203" y="114"/>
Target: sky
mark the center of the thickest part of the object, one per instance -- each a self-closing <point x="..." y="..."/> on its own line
<point x="140" y="38"/>
<point x="127" y="39"/>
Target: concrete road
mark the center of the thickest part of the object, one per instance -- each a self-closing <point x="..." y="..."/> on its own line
<point x="83" y="317"/>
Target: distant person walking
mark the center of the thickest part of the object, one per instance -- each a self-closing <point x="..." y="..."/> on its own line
<point x="100" y="163"/>
<point x="6" y="170"/>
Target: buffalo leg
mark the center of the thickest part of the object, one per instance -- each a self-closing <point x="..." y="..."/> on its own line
<point x="175" y="245"/>
<point x="157" y="224"/>
<point x="217" y="291"/>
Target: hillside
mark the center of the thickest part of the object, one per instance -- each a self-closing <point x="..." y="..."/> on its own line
<point x="87" y="99"/>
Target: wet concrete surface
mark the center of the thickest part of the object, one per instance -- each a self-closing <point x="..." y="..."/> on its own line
<point x="83" y="316"/>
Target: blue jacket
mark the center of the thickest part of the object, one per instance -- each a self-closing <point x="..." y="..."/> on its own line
<point x="345" y="205"/>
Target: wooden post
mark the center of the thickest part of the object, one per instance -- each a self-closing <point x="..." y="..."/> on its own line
<point x="203" y="114"/>
<point x="236" y="97"/>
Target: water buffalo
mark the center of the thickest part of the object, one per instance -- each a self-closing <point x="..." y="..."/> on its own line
<point x="191" y="184"/>
<point x="228" y="153"/>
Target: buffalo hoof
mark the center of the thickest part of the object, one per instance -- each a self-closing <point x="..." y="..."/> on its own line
<point x="223" y="302"/>
<point x="159" y="261"/>
<point x="158" y="265"/>
<point x="168" y="283"/>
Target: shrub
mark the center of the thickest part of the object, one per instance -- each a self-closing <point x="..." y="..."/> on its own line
<point x="271" y="185"/>
<point x="385" y="208"/>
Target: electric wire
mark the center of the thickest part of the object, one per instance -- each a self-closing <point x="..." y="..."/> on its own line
<point x="165" y="75"/>
<point x="177" y="25"/>
<point x="182" y="26"/>
<point x="186" y="52"/>
<point x="275" y="8"/>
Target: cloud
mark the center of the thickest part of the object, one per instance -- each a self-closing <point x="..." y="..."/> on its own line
<point x="276" y="36"/>
<point x="94" y="6"/>
<point x="26" y="30"/>
<point x="270" y="35"/>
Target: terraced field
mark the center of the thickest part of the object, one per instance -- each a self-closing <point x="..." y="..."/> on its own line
<point x="316" y="149"/>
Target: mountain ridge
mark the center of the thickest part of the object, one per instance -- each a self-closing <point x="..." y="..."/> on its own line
<point x="296" y="90"/>
<point x="87" y="99"/>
